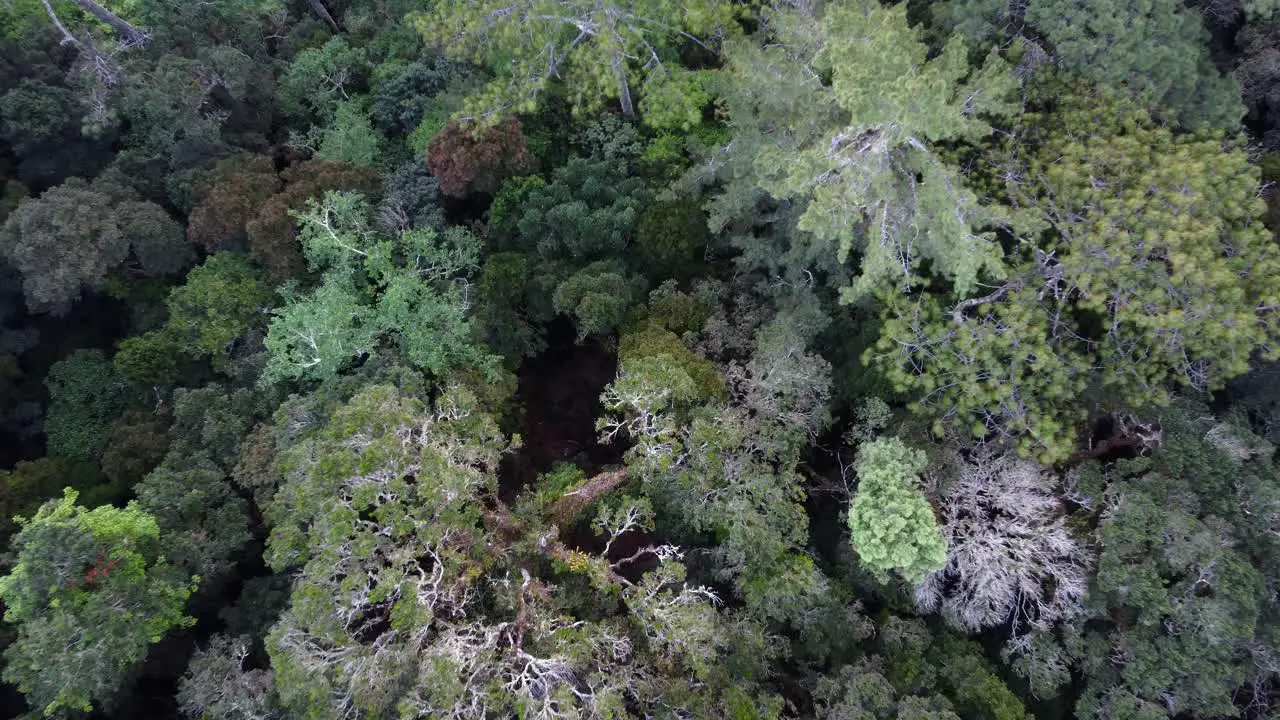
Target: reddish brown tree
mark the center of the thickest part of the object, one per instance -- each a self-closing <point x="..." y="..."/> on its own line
<point x="469" y="160"/>
<point x="240" y="186"/>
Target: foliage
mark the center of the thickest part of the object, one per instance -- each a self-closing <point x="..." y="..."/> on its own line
<point x="136" y="443"/>
<point x="73" y="236"/>
<point x="273" y="231"/>
<point x="402" y="92"/>
<point x="1131" y="271"/>
<point x="203" y="522"/>
<point x="587" y="211"/>
<point x="671" y="240"/>
<point x="1182" y="549"/>
<point x="891" y="523"/>
<point x="599" y="51"/>
<point x="374" y="287"/>
<point x="596" y="297"/>
<point x="859" y="156"/>
<point x="509" y="312"/>
<point x="89" y="593"/>
<point x="348" y="137"/>
<point x="319" y="79"/>
<point x="222" y="300"/>
<point x="1155" y="51"/>
<point x="470" y="160"/>
<point x="240" y="186"/>
<point x="84" y="397"/>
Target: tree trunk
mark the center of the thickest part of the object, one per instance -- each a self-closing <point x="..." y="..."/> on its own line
<point x="322" y="12"/>
<point x="624" y="89"/>
<point x="128" y="33"/>
<point x="67" y="37"/>
<point x="565" y="510"/>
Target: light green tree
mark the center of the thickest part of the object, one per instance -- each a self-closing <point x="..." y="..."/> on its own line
<point x="1143" y="264"/>
<point x="859" y="154"/>
<point x="223" y="299"/>
<point x="600" y="51"/>
<point x="411" y="290"/>
<point x="891" y="522"/>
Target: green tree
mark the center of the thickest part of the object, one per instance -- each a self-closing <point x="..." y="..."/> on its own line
<point x="218" y="684"/>
<point x="315" y="336"/>
<point x="374" y="288"/>
<point x="319" y="79"/>
<point x="599" y="50"/>
<point x="1145" y="265"/>
<point x="85" y="395"/>
<point x="203" y="521"/>
<point x="1154" y="49"/>
<point x="596" y="297"/>
<point x="1180" y="593"/>
<point x="222" y="300"/>
<point x="89" y="594"/>
<point x="859" y="157"/>
<point x="348" y="137"/>
<point x="586" y="212"/>
<point x="891" y="522"/>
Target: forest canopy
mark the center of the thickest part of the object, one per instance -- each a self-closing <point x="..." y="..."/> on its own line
<point x="477" y="359"/>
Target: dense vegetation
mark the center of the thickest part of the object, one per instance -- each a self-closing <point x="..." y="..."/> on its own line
<point x="854" y="359"/>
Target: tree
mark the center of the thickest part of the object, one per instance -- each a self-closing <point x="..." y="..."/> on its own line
<point x="240" y="186"/>
<point x="1153" y="49"/>
<point x="891" y="523"/>
<point x="434" y="606"/>
<point x="347" y="137"/>
<point x="859" y="161"/>
<point x="596" y="297"/>
<point x="1010" y="555"/>
<point x="1132" y="280"/>
<point x="74" y="235"/>
<point x="374" y="287"/>
<point x="156" y="242"/>
<point x="719" y="470"/>
<point x="136" y="443"/>
<point x="25" y="488"/>
<point x="1183" y="566"/>
<point x="468" y="160"/>
<point x="587" y="212"/>
<point x="402" y="92"/>
<point x="217" y="684"/>
<point x="210" y="423"/>
<point x="89" y="593"/>
<point x="222" y="300"/>
<point x="84" y="397"/>
<point x="320" y="78"/>
<point x="601" y="51"/>
<point x="203" y="521"/>
<point x="273" y="231"/>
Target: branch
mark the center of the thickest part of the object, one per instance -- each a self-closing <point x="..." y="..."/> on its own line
<point x="322" y="12"/>
<point x="957" y="313"/>
<point x="67" y="37"/>
<point x="567" y="508"/>
<point x="128" y="33"/>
